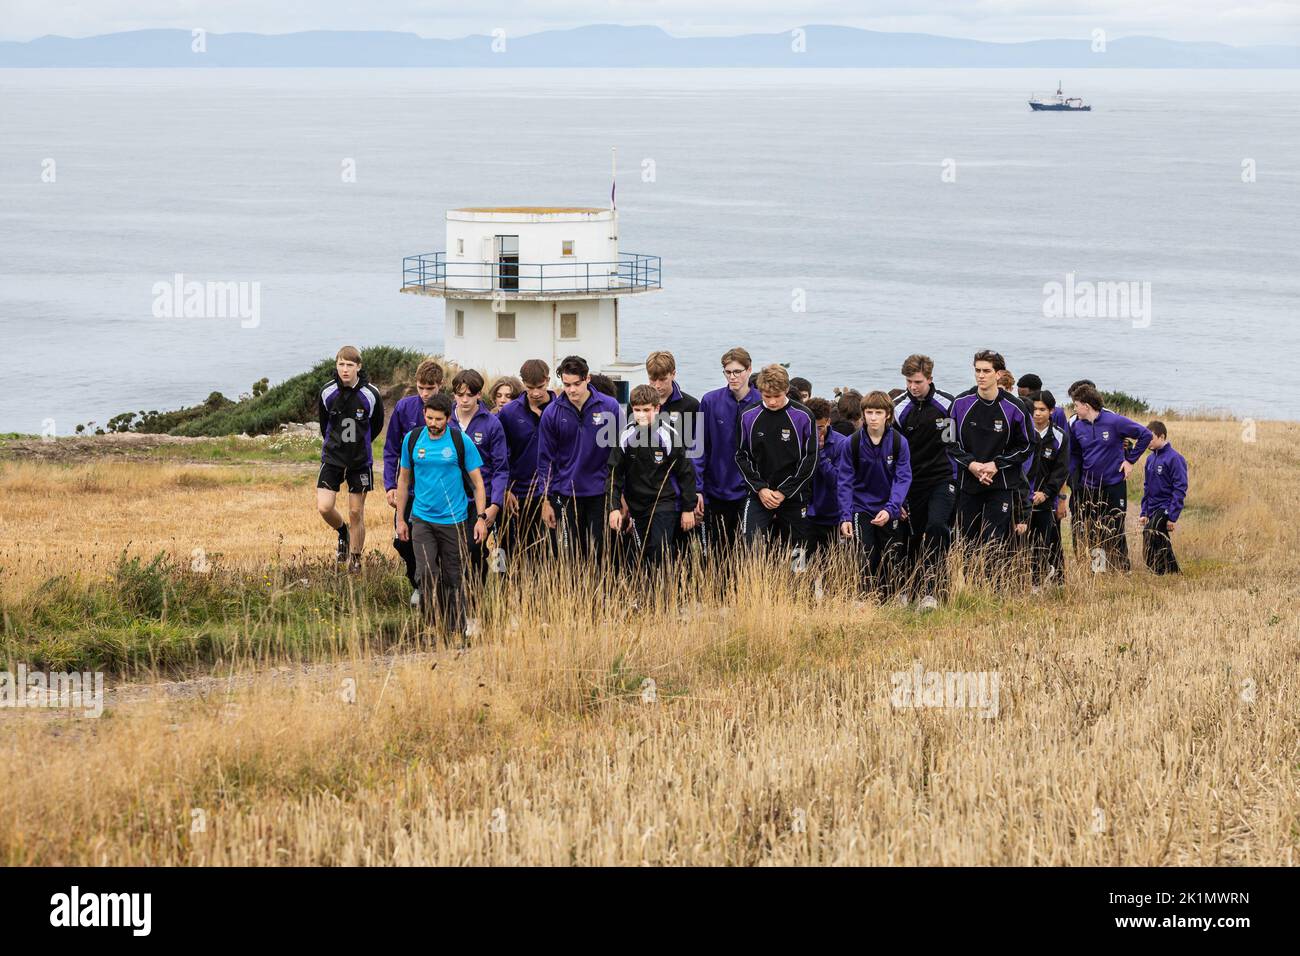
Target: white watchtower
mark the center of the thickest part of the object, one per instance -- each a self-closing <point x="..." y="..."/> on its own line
<point x="525" y="282"/>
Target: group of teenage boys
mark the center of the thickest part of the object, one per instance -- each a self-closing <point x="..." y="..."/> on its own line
<point x="897" y="477"/>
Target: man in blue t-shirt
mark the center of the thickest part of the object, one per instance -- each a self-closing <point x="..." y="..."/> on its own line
<point x="443" y="468"/>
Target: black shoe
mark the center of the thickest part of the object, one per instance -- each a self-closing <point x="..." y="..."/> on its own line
<point x="342" y="554"/>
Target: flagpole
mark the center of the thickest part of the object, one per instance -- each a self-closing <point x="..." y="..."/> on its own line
<point x="613" y="175"/>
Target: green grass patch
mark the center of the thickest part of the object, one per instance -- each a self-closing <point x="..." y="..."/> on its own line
<point x="262" y="412"/>
<point x="161" y="615"/>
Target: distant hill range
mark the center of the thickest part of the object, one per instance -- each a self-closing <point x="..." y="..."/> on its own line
<point x="627" y="46"/>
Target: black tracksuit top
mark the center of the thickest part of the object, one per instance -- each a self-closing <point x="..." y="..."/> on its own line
<point x="642" y="466"/>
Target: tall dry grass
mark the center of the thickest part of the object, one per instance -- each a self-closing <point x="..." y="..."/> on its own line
<point x="1139" y="720"/>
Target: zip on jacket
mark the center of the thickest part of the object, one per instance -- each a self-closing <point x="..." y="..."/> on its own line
<point x="408" y="414"/>
<point x="778" y="449"/>
<point x="351" y="417"/>
<point x="1165" y="483"/>
<point x="877" y="477"/>
<point x="485" y="431"/>
<point x="990" y="431"/>
<point x="825" y="505"/>
<point x="924" y="423"/>
<point x="716" y="473"/>
<point x="573" y="445"/>
<point x="1047" y="466"/>
<point x="1100" y="447"/>
<point x="642" y="469"/>
<point x="520" y="424"/>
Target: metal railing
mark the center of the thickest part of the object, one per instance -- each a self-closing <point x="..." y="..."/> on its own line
<point x="432" y="270"/>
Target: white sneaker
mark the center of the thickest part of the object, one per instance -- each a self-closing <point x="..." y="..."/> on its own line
<point x="928" y="603"/>
<point x="903" y="599"/>
<point x="415" y="598"/>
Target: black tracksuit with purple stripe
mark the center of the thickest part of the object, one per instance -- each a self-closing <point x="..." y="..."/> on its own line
<point x="1046" y="469"/>
<point x="778" y="450"/>
<point x="993" y="430"/>
<point x="927" y="425"/>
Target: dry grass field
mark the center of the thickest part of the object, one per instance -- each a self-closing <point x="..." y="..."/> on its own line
<point x="269" y="711"/>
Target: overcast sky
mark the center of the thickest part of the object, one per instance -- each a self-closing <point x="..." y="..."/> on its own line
<point x="1243" y="22"/>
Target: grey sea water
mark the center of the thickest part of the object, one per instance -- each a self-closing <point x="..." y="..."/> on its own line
<point x="758" y="189"/>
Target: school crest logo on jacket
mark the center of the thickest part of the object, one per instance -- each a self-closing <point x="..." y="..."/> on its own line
<point x="997" y="426"/>
<point x="1105" y="436"/>
<point x="597" y="417"/>
<point x="659" y="456"/>
<point x="478" y="438"/>
<point x="785" y="434"/>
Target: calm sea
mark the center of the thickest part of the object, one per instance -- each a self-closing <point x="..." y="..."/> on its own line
<point x="909" y="210"/>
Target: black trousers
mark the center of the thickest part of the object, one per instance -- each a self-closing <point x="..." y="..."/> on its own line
<point x="882" y="551"/>
<point x="649" y="538"/>
<point x="1157" y="547"/>
<point x="581" y="521"/>
<point x="1076" y="525"/>
<point x="1101" y="514"/>
<point x="984" y="517"/>
<point x="928" y="530"/>
<point x="523" y="535"/>
<point x="822" y="537"/>
<point x="439" y="557"/>
<point x="721" y="525"/>
<point x="1045" y="544"/>
<point x="476" y="555"/>
<point x="788" y="521"/>
<point x="406" y="549"/>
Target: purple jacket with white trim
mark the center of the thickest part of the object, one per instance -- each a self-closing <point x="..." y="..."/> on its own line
<point x="1165" y="485"/>
<point x="521" y="427"/>
<point x="716" y="473"/>
<point x="408" y="413"/>
<point x="1099" y="445"/>
<point x="873" y="479"/>
<point x="573" y="445"/>
<point x="486" y="432"/>
<point x="825" y="505"/>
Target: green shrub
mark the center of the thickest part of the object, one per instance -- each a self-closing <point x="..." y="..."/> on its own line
<point x="267" y="407"/>
<point x="1125" y="404"/>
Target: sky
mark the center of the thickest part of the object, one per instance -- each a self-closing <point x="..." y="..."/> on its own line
<point x="1243" y="23"/>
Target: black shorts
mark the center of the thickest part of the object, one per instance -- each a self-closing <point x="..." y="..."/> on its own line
<point x="360" y="480"/>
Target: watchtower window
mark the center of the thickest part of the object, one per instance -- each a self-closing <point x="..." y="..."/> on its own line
<point x="566" y="247"/>
<point x="460" y="323"/>
<point x="460" y="247"/>
<point x="506" y="325"/>
<point x="568" y="325"/>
